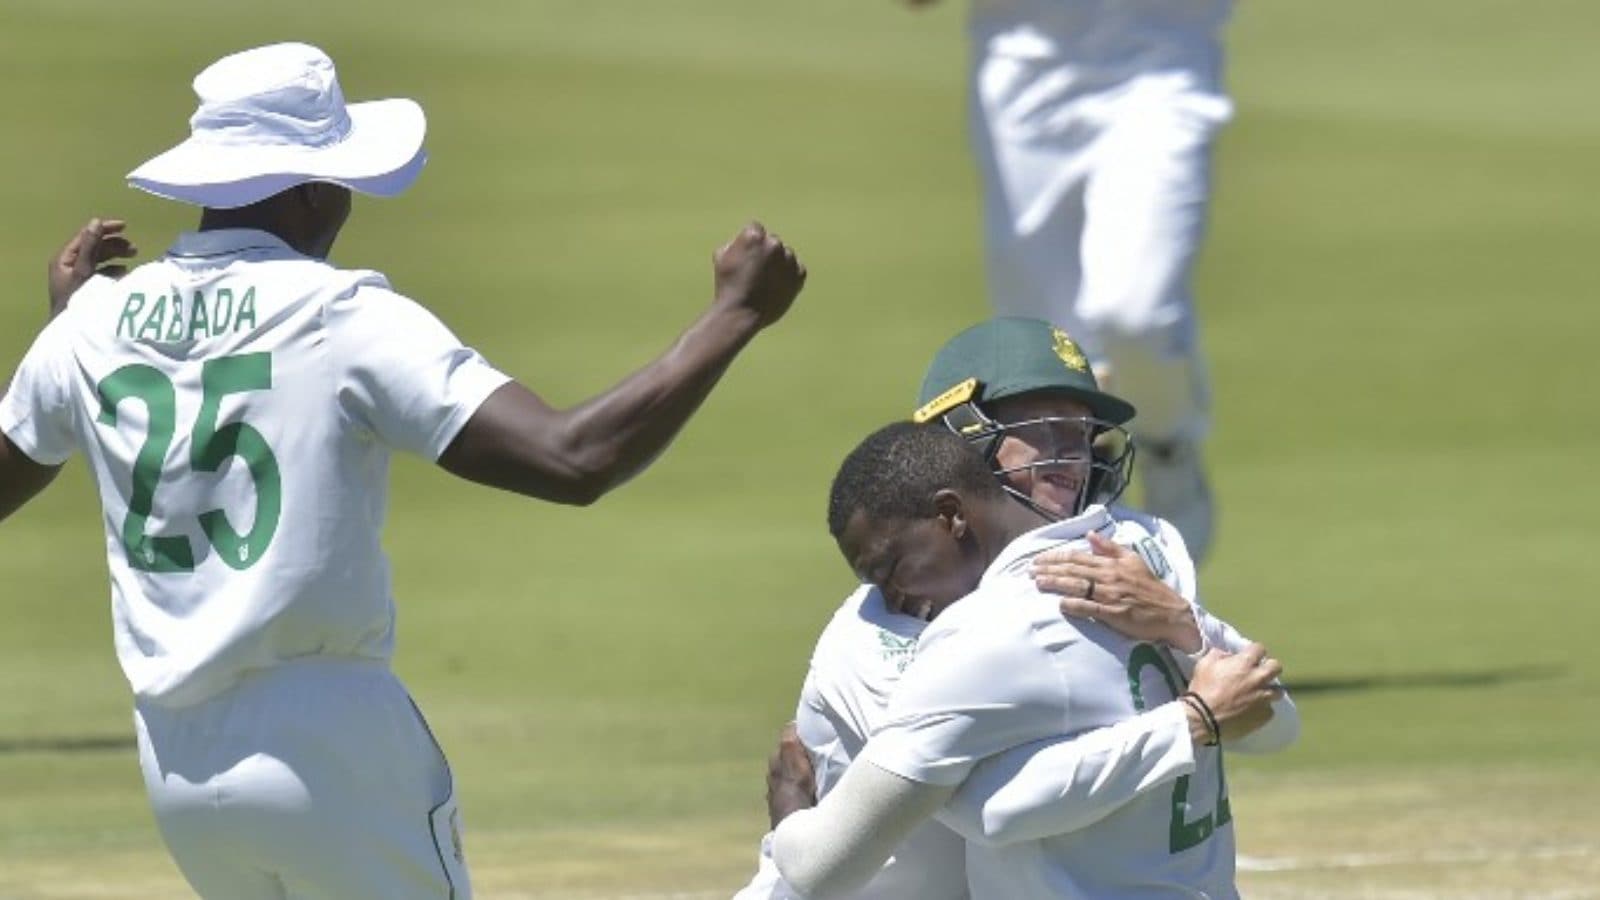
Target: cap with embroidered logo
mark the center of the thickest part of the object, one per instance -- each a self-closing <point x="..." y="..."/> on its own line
<point x="1006" y="356"/>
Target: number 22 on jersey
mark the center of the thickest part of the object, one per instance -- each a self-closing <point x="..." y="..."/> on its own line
<point x="1183" y="833"/>
<point x="211" y="447"/>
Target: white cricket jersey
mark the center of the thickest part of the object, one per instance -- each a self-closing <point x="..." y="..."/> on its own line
<point x="1002" y="668"/>
<point x="238" y="403"/>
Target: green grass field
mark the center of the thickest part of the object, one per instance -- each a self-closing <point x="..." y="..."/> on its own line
<point x="1399" y="308"/>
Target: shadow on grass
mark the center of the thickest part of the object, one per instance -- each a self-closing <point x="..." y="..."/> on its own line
<point x="1404" y="680"/>
<point x="89" y="744"/>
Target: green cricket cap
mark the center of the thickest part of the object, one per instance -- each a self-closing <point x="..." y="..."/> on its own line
<point x="1010" y="355"/>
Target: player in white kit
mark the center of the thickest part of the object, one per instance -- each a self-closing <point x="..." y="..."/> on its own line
<point x="919" y="515"/>
<point x="1092" y="123"/>
<point x="238" y="401"/>
<point x="1012" y="386"/>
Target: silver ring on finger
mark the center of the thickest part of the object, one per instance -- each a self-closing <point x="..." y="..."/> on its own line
<point x="1089" y="594"/>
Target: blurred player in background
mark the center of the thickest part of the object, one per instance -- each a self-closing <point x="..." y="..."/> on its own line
<point x="238" y="401"/>
<point x="1022" y="393"/>
<point x="1092" y="123"/>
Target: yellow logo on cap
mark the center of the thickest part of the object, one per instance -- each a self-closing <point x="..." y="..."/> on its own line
<point x="946" y="401"/>
<point x="1068" y="351"/>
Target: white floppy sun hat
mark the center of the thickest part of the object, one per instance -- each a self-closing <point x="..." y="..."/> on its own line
<point x="274" y="117"/>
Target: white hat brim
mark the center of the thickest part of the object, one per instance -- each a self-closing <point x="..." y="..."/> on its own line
<point x="381" y="155"/>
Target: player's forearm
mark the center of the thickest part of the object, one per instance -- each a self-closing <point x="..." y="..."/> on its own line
<point x="1064" y="784"/>
<point x="616" y="435"/>
<point x="514" y="441"/>
<point x="21" y="479"/>
<point x="837" y="847"/>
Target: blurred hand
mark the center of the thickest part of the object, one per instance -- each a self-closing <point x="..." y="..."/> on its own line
<point x="1114" y="586"/>
<point x="99" y="242"/>
<point x="1239" y="688"/>
<point x="757" y="272"/>
<point x="791" y="783"/>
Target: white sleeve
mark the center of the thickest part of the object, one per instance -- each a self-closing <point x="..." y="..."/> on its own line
<point x="965" y="700"/>
<point x="36" y="412"/>
<point x="768" y="883"/>
<point x="827" y="732"/>
<point x="840" y="844"/>
<point x="402" y="375"/>
<point x="1063" y="784"/>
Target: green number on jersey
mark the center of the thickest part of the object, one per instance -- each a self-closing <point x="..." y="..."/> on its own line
<point x="210" y="448"/>
<point x="1183" y="834"/>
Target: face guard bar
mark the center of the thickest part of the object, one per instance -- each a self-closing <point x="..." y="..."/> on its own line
<point x="1107" y="447"/>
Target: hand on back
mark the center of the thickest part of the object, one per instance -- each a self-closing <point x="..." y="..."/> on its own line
<point x="1114" y="586"/>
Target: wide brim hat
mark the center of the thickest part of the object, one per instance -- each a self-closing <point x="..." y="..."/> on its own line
<point x="1011" y="355"/>
<point x="274" y="117"/>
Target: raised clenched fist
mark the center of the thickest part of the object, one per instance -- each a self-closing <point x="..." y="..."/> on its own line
<point x="758" y="272"/>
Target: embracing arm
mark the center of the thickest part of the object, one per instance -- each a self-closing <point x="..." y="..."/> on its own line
<point x="839" y="845"/>
<point x="1115" y="586"/>
<point x="1060" y="785"/>
<point x="517" y="442"/>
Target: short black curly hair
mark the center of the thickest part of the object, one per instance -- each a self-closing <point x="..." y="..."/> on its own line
<point x="895" y="472"/>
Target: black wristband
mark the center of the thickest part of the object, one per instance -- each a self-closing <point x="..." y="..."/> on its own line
<point x="1213" y="730"/>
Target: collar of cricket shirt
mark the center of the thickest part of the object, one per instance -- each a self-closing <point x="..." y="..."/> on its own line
<point x="219" y="242"/>
<point x="1054" y="534"/>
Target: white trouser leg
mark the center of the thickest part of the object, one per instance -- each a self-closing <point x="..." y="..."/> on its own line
<point x="1145" y="209"/>
<point x="1032" y="182"/>
<point x="316" y="780"/>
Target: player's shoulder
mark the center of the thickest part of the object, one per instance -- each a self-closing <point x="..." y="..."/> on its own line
<point x="1004" y="616"/>
<point x="1153" y="538"/>
<point x="864" y="636"/>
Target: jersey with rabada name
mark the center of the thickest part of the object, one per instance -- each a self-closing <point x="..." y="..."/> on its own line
<point x="1001" y="668"/>
<point x="238" y="403"/>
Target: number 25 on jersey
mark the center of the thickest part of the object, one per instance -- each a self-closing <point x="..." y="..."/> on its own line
<point x="210" y="448"/>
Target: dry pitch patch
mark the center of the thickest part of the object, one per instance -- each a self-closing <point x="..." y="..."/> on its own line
<point x="1459" y="834"/>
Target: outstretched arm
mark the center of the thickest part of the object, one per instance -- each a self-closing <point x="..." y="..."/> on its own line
<point x="517" y="442"/>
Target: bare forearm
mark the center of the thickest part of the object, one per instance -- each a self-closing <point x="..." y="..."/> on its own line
<point x="21" y="479"/>
<point x="617" y="434"/>
<point x="517" y="443"/>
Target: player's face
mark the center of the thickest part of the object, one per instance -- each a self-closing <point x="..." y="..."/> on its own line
<point x="921" y="565"/>
<point x="1045" y="456"/>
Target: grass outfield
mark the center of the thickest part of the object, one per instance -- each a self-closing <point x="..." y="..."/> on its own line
<point x="1399" y="309"/>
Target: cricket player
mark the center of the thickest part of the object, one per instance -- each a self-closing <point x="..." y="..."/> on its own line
<point x="1092" y="124"/>
<point x="238" y="401"/>
<point x="919" y="514"/>
<point x="1017" y="388"/>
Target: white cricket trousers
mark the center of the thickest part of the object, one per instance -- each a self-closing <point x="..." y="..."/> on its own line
<point x="314" y="780"/>
<point x="1094" y="210"/>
